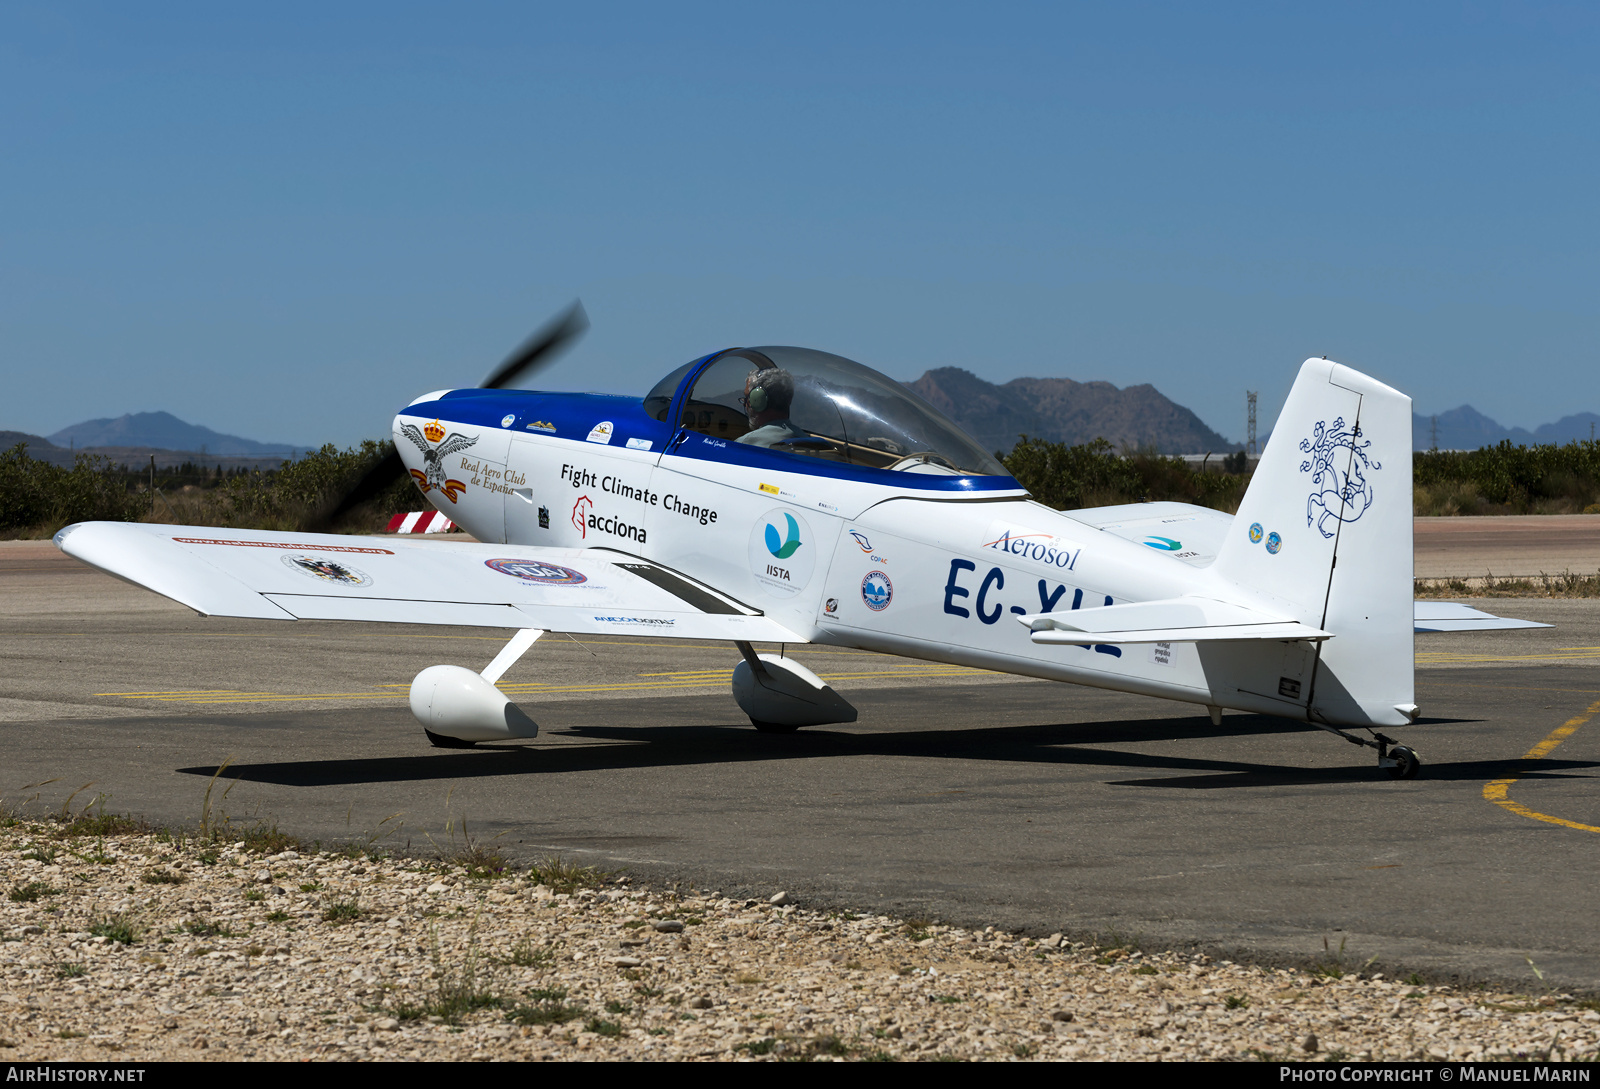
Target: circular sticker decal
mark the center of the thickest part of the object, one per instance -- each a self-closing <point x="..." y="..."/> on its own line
<point x="507" y="420"/>
<point x="535" y="571"/>
<point x="782" y="552"/>
<point x="1274" y="542"/>
<point x="321" y="567"/>
<point x="877" y="591"/>
<point x="1255" y="533"/>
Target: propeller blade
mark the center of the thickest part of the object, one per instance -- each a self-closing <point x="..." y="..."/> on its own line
<point x="371" y="484"/>
<point x="537" y="351"/>
<point x="540" y="349"/>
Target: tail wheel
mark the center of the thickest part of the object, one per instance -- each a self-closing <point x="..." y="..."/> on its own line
<point x="1406" y="763"/>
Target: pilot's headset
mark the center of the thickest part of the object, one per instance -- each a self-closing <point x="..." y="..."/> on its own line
<point x="772" y="388"/>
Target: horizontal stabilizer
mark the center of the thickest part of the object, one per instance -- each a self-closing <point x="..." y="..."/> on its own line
<point x="1437" y="616"/>
<point x="1175" y="620"/>
<point x="1189" y="534"/>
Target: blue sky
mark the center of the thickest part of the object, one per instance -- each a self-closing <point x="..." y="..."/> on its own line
<point x="284" y="221"/>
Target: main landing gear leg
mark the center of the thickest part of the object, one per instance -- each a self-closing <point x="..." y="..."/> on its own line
<point x="459" y="708"/>
<point x="1400" y="761"/>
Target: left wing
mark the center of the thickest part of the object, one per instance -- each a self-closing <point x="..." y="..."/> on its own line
<point x="320" y="576"/>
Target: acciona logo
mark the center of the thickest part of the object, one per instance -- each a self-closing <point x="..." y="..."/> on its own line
<point x="586" y="520"/>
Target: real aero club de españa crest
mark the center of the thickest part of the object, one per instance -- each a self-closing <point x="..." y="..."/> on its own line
<point x="436" y="446"/>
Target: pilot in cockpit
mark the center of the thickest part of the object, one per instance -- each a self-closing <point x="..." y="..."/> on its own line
<point x="767" y="397"/>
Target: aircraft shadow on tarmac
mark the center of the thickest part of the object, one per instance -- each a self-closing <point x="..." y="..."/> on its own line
<point x="1065" y="745"/>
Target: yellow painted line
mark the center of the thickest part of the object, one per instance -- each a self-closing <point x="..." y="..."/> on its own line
<point x="179" y="692"/>
<point x="514" y="689"/>
<point x="277" y="697"/>
<point x="908" y="671"/>
<point x="536" y="686"/>
<point x="1512" y="688"/>
<point x="184" y="695"/>
<point x="636" y="641"/>
<point x="1497" y="791"/>
<point x="541" y="686"/>
<point x="533" y="688"/>
<point x="665" y="682"/>
<point x="1437" y="658"/>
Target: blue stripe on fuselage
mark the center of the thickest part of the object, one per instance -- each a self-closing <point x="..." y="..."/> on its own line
<point x="573" y="415"/>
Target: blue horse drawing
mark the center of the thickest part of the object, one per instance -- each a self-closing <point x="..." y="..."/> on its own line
<point x="1343" y="492"/>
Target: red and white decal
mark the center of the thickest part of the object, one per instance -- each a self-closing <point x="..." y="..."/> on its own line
<point x="421" y="521"/>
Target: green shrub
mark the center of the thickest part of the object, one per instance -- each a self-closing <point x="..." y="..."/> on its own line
<point x="1500" y="479"/>
<point x="1092" y="474"/>
<point x="38" y="496"/>
<point x="1508" y="479"/>
<point x="34" y="493"/>
<point x="287" y="497"/>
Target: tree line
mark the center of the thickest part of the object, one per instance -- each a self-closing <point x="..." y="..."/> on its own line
<point x="1500" y="479"/>
<point x="38" y="498"/>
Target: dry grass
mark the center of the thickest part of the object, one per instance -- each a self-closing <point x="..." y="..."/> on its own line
<point x="561" y="875"/>
<point x="1565" y="584"/>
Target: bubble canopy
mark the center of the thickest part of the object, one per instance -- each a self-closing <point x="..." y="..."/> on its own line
<point x="840" y="411"/>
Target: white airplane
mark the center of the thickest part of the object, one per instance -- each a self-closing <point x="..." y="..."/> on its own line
<point x="784" y="495"/>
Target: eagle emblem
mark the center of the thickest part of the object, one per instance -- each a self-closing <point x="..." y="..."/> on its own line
<point x="433" y="474"/>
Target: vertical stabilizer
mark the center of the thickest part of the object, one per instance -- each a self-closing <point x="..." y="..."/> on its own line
<point x="1324" y="536"/>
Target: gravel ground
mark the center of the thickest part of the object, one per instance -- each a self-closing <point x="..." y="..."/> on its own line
<point x="127" y="946"/>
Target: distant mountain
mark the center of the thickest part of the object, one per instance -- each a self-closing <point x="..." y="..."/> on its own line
<point x="1061" y="410"/>
<point x="1466" y="428"/>
<point x="37" y="447"/>
<point x="137" y="457"/>
<point x="8" y="439"/>
<point x="161" y="431"/>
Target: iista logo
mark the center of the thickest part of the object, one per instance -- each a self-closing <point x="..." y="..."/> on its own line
<point x="783" y="550"/>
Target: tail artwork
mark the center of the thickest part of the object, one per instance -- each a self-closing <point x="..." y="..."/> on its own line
<point x="1323" y="536"/>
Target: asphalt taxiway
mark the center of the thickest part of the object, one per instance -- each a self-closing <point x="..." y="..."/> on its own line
<point x="962" y="795"/>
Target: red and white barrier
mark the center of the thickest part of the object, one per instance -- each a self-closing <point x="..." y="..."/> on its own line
<point x="421" y="521"/>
